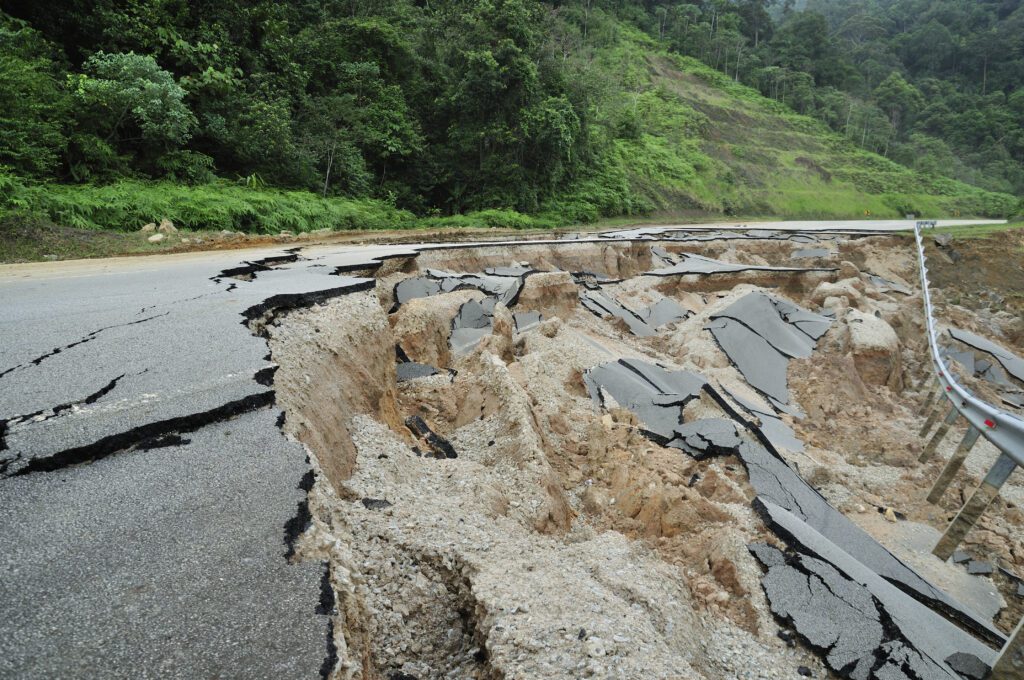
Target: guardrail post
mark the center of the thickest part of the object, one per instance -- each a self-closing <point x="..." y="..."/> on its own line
<point x="933" y="444"/>
<point x="954" y="464"/>
<point x="974" y="507"/>
<point x="932" y="417"/>
<point x="1009" y="664"/>
<point x="928" y="402"/>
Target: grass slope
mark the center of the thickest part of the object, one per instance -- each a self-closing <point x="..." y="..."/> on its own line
<point x="676" y="139"/>
<point x="710" y="144"/>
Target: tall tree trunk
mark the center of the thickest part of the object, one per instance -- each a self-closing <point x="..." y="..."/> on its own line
<point x="330" y="162"/>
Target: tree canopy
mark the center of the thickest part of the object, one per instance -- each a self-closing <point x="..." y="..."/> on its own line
<point x="472" y="104"/>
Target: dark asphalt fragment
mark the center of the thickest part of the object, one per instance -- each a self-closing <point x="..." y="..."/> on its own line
<point x="410" y="370"/>
<point x="706" y="437"/>
<point x="777" y="484"/>
<point x="964" y="358"/>
<point x="886" y="286"/>
<point x="865" y="625"/>
<point x="656" y="394"/>
<point x="375" y="503"/>
<point x="1013" y="364"/>
<point x="689" y="263"/>
<point x="979" y="568"/>
<point x="524" y="321"/>
<point x="471" y="324"/>
<point x="415" y="287"/>
<point x="778" y="433"/>
<point x="829" y="611"/>
<point x="601" y="304"/>
<point x="441" y="447"/>
<point x="761" y="314"/>
<point x="663" y="312"/>
<point x="761" y="364"/>
<point x="663" y="257"/>
<point x="1014" y="399"/>
<point x="759" y="334"/>
<point x="968" y="665"/>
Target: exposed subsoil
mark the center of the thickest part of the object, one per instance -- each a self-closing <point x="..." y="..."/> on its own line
<point x="489" y="518"/>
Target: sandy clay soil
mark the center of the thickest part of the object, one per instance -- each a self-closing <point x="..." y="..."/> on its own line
<point x="493" y="504"/>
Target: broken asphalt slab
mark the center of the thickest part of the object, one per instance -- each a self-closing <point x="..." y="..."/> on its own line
<point x="867" y="627"/>
<point x="1013" y="364"/>
<point x="759" y="334"/>
<point x="778" y="484"/>
<point x="504" y="284"/>
<point x="657" y="395"/>
<point x="698" y="264"/>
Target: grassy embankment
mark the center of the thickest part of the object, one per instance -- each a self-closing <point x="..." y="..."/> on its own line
<point x="697" y="145"/>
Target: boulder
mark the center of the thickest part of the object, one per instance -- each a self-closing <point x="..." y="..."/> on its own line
<point x="876" y="350"/>
<point x="167" y="227"/>
<point x="155" y="238"/>
<point x="148" y="228"/>
<point x="848" y="270"/>
<point x="849" y="288"/>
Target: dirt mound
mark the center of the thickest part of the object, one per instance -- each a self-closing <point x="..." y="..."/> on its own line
<point x="563" y="538"/>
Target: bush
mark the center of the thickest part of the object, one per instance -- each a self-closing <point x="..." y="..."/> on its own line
<point x="129" y="204"/>
<point x="188" y="167"/>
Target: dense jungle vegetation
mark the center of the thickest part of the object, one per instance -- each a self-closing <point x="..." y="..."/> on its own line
<point x="257" y="115"/>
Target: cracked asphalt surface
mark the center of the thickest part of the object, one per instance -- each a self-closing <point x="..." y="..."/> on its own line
<point x="144" y="479"/>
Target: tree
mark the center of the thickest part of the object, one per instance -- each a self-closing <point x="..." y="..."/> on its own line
<point x="33" y="106"/>
<point x="128" y="102"/>
<point x="899" y="99"/>
<point x="804" y="44"/>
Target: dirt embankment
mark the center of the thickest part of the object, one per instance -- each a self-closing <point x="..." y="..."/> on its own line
<point x="562" y="540"/>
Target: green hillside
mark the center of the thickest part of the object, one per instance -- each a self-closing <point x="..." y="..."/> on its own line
<point x="260" y="116"/>
<point x="709" y="144"/>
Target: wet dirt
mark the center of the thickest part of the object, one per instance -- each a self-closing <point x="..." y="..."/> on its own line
<point x="563" y="540"/>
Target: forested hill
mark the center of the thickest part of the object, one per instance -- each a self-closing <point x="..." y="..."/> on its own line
<point x="262" y="115"/>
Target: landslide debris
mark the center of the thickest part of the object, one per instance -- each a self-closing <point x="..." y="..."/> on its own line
<point x="539" y="461"/>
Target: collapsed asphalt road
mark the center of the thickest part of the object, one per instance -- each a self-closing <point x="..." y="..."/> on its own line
<point x="149" y="495"/>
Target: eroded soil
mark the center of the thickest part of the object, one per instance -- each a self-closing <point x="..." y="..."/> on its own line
<point x="562" y="540"/>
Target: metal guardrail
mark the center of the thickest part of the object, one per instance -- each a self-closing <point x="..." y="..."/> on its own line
<point x="1004" y="430"/>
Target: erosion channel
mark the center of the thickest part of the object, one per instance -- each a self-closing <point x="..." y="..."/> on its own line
<point x="693" y="457"/>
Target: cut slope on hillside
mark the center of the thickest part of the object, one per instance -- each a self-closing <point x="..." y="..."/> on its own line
<point x="635" y="131"/>
<point x="704" y="142"/>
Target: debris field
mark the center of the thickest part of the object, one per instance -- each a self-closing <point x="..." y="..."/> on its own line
<point x="674" y="457"/>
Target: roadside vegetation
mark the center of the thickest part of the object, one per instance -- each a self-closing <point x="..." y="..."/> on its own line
<point x="261" y="116"/>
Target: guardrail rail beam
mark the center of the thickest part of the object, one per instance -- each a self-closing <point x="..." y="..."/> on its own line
<point x="1004" y="430"/>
